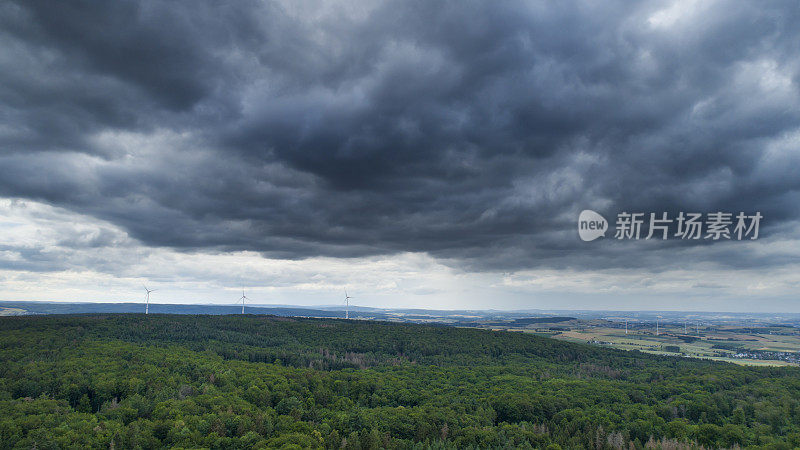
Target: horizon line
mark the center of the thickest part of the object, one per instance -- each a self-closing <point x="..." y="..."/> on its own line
<point x="266" y="305"/>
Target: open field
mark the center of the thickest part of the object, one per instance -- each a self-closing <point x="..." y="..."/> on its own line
<point x="11" y="311"/>
<point x="757" y="348"/>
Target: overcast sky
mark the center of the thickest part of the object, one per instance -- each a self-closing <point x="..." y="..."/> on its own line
<point x="426" y="154"/>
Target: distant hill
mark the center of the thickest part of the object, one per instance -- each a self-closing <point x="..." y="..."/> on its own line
<point x="533" y="320"/>
<point x="453" y="317"/>
<point x="160" y="308"/>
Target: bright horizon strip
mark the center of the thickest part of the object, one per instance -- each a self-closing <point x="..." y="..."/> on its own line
<point x="406" y="280"/>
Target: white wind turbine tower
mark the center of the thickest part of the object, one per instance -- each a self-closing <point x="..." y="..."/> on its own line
<point x="347" y="305"/>
<point x="658" y="319"/>
<point x="147" y="299"/>
<point x="242" y="299"/>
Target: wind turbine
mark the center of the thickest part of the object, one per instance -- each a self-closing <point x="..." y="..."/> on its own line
<point x="657" y="320"/>
<point x="626" y="326"/>
<point x="242" y="299"/>
<point x="347" y="305"/>
<point x="147" y="299"/>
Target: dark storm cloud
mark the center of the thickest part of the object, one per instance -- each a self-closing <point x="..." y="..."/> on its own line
<point x="475" y="131"/>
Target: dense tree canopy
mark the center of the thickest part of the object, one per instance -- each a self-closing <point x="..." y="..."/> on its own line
<point x="134" y="381"/>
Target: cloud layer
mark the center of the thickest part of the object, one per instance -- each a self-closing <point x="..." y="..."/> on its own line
<point x="472" y="132"/>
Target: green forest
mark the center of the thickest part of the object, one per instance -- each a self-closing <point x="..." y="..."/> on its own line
<point x="124" y="381"/>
